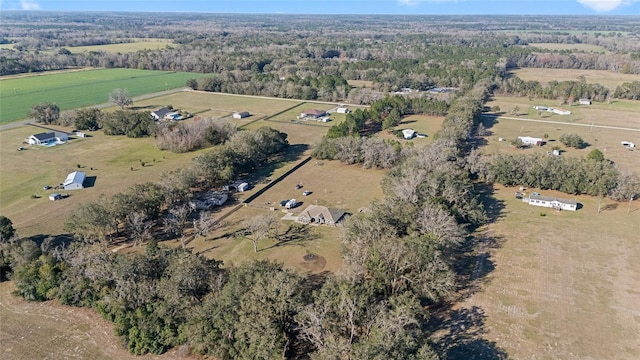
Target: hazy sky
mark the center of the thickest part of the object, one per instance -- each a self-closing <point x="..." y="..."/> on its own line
<point x="533" y="7"/>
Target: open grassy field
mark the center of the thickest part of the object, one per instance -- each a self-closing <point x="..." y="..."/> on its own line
<point x="618" y="114"/>
<point x="560" y="286"/>
<point x="24" y="173"/>
<point x="608" y="79"/>
<point x="75" y="89"/>
<point x="360" y="83"/>
<point x="570" y="47"/>
<point x="48" y="330"/>
<point x="136" y="45"/>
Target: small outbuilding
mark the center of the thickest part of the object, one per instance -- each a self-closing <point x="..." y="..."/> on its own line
<point x="241" y="114"/>
<point x="342" y="110"/>
<point x="74" y="181"/>
<point x="54" y="197"/>
<point x="584" y="101"/>
<point x="237" y="186"/>
<point x="408" y="133"/>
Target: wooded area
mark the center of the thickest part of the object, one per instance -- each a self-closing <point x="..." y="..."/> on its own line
<point x="406" y="256"/>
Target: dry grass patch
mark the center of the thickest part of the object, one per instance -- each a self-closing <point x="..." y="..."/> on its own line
<point x="565" y="284"/>
<point x="360" y="83"/>
<point x="48" y="330"/>
<point x="136" y="45"/>
<point x="570" y="47"/>
<point x="606" y="78"/>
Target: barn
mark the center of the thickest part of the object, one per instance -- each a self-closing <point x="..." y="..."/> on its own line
<point x="74" y="181"/>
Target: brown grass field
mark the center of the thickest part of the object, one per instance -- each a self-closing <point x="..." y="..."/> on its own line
<point x="560" y="286"/>
<point x="136" y="45"/>
<point x="571" y="47"/>
<point x="360" y="83"/>
<point x="618" y="114"/>
<point x="608" y="79"/>
<point x="48" y="330"/>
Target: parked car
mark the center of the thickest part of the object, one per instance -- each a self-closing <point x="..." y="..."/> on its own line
<point x="46" y="187"/>
<point x="306" y="193"/>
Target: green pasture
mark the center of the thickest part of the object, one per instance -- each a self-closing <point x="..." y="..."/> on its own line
<point x="71" y="90"/>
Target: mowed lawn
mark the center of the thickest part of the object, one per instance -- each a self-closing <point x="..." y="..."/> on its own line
<point x="560" y="286"/>
<point x="75" y="89"/>
<point x="606" y="78"/>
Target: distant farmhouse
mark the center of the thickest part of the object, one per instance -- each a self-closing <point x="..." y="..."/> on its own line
<point x="313" y="114"/>
<point x="531" y="141"/>
<point x="74" y="181"/>
<point x="166" y="114"/>
<point x="241" y="114"/>
<point x="316" y="214"/>
<point x="552" y="110"/>
<point x="46" y="138"/>
<point x="551" y="202"/>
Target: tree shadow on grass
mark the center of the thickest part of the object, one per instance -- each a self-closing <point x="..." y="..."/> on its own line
<point x="463" y="339"/>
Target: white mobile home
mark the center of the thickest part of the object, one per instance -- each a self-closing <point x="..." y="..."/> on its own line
<point x="552" y="202"/>
<point x="531" y="141"/>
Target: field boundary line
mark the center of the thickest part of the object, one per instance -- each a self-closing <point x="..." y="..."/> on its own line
<point x="562" y="123"/>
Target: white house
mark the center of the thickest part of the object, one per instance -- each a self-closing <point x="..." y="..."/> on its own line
<point x="552" y="202"/>
<point x="342" y="110"/>
<point x="74" y="181"/>
<point x="47" y="137"/>
<point x="531" y="141"/>
<point x="584" y="102"/>
<point x="209" y="200"/>
<point x="241" y="114"/>
<point x="408" y="133"/>
<point x="313" y="114"/>
<point x="559" y="111"/>
<point x="161" y="113"/>
<point x="316" y="214"/>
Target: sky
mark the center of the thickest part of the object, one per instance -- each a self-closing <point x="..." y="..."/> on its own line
<point x="436" y="7"/>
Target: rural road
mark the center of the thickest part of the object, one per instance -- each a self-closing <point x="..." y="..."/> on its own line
<point x="99" y="106"/>
<point x="562" y="123"/>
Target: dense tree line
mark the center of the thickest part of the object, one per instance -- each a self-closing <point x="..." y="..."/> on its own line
<point x="187" y="136"/>
<point x="567" y="174"/>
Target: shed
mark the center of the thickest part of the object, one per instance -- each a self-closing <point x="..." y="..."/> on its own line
<point x="74" y="181"/>
<point x="408" y="133"/>
<point x="342" y="110"/>
<point x="241" y="114"/>
<point x="238" y="186"/>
